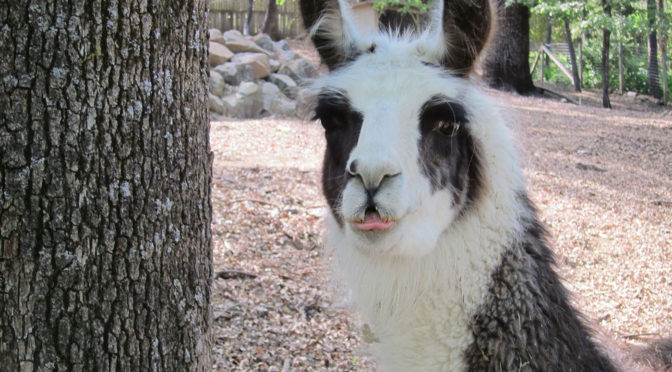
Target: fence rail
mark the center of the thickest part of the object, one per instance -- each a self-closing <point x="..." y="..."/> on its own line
<point x="231" y="14"/>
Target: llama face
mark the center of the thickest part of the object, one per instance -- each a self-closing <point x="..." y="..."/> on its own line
<point x="401" y="163"/>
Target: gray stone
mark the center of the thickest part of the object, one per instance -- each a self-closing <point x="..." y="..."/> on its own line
<point x="218" y="86"/>
<point x="281" y="45"/>
<point x="214" y="33"/>
<point x="246" y="103"/>
<point x="286" y="56"/>
<point x="216" y="105"/>
<point x="269" y="92"/>
<point x="298" y="69"/>
<point x="275" y="65"/>
<point x="219" y="54"/>
<point x="286" y="84"/>
<point x="260" y="63"/>
<point x="235" y="73"/>
<point x="237" y="43"/>
<point x="248" y="89"/>
<point x="281" y="106"/>
<point x="264" y="41"/>
<point x="305" y="104"/>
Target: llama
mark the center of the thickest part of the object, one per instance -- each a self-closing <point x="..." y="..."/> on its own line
<point x="428" y="215"/>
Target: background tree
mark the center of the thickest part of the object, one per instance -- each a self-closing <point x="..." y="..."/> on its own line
<point x="572" y="56"/>
<point x="663" y="26"/>
<point x="271" y="21"/>
<point x="606" y="33"/>
<point x="248" y="19"/>
<point x="653" y="79"/>
<point x="105" y="242"/>
<point x="507" y="64"/>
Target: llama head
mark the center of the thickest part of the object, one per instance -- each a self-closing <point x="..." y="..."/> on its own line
<point x="402" y="124"/>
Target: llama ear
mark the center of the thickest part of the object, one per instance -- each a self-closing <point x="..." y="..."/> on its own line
<point x="465" y="28"/>
<point x="330" y="25"/>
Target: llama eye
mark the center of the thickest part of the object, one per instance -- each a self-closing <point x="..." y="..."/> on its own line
<point x="447" y="128"/>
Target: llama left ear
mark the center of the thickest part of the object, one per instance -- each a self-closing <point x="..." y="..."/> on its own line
<point x="466" y="26"/>
<point x="330" y="25"/>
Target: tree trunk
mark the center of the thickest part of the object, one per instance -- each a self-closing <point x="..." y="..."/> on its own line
<point x="572" y="57"/>
<point x="653" y="80"/>
<point x="271" y="21"/>
<point x="105" y="242"/>
<point x="663" y="48"/>
<point x="621" y="71"/>
<point x="605" y="57"/>
<point x="248" y="20"/>
<point x="582" y="42"/>
<point x="507" y="65"/>
<point x="547" y="40"/>
<point x="580" y="60"/>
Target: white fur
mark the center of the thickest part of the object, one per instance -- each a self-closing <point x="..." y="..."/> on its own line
<point x="419" y="284"/>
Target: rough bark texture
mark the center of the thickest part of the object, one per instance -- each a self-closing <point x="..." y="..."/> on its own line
<point x="547" y="40"/>
<point x="271" y="21"/>
<point x="621" y="69"/>
<point x="507" y="65"/>
<point x="572" y="57"/>
<point x="105" y="242"/>
<point x="248" y="19"/>
<point x="606" y="35"/>
<point x="653" y="75"/>
<point x="663" y="48"/>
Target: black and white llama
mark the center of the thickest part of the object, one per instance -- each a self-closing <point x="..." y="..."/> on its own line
<point x="429" y="217"/>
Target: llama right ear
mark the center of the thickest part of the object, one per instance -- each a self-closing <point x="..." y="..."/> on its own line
<point x="330" y="26"/>
<point x="466" y="26"/>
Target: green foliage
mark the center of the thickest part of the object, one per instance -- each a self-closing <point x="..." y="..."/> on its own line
<point x="568" y="9"/>
<point x="402" y="6"/>
<point x="628" y="23"/>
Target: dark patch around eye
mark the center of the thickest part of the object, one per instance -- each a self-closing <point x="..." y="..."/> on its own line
<point x="342" y="125"/>
<point x="449" y="158"/>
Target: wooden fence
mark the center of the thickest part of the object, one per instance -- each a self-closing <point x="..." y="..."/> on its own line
<point x="231" y="14"/>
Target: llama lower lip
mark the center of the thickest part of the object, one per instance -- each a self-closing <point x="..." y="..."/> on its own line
<point x="373" y="222"/>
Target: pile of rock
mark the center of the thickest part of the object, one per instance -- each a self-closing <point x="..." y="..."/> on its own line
<point x="251" y="77"/>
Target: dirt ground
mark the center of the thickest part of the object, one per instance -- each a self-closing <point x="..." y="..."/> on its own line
<point x="602" y="180"/>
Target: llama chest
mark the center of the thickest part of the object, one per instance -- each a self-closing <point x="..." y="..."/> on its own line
<point x="430" y="336"/>
<point x="421" y="310"/>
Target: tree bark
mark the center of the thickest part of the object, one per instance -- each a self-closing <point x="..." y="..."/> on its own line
<point x="580" y="59"/>
<point x="621" y="70"/>
<point x="105" y="242"/>
<point x="248" y="20"/>
<point x="507" y="65"/>
<point x="572" y="57"/>
<point x="663" y="48"/>
<point x="653" y="78"/>
<point x="547" y="39"/>
<point x="606" y="103"/>
<point x="271" y="21"/>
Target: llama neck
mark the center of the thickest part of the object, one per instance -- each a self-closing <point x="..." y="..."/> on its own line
<point x="420" y="309"/>
<point x="526" y="318"/>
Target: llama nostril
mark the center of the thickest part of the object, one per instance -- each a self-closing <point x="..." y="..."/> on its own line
<point x="352" y="168"/>
<point x="372" y="174"/>
<point x="386" y="176"/>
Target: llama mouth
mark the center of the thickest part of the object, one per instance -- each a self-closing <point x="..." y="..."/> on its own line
<point x="373" y="222"/>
